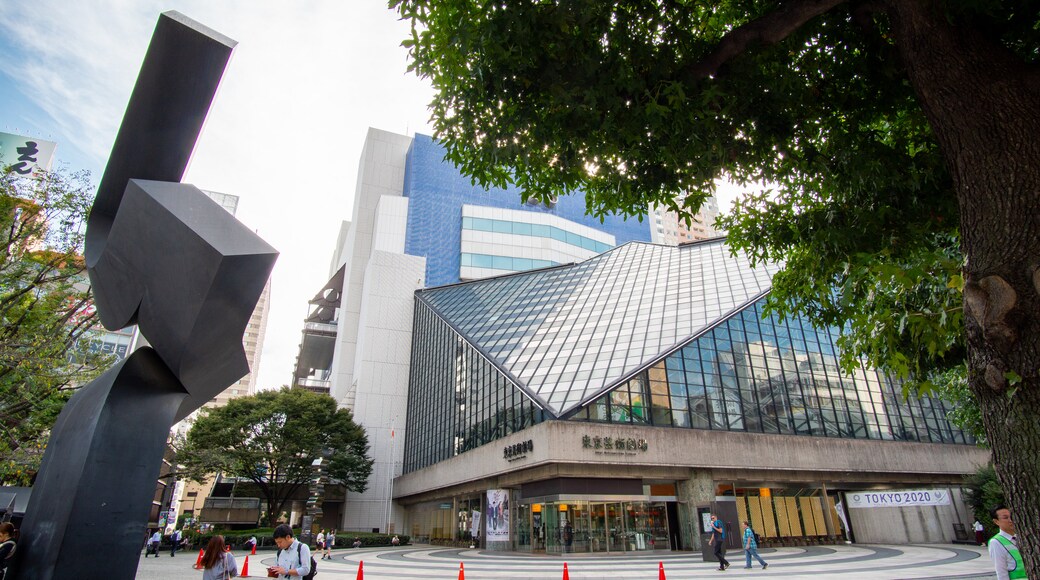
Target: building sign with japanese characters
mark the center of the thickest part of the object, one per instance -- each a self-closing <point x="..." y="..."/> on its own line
<point x="25" y="155"/>
<point x="614" y="445"/>
<point x="517" y="450"/>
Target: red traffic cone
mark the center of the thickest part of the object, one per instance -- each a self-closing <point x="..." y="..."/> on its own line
<point x="253" y="553"/>
<point x="462" y="572"/>
<point x="361" y="570"/>
<point x="198" y="561"/>
<point x="245" y="569"/>
<point x="660" y="573"/>
<point x="566" y="576"/>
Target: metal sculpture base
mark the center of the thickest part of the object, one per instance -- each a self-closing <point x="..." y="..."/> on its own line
<point x="107" y="447"/>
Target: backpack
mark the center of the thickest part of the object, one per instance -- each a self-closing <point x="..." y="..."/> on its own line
<point x="299" y="558"/>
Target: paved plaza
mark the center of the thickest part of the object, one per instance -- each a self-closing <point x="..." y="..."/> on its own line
<point x="873" y="562"/>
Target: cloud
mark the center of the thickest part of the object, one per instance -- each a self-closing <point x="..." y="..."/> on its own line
<point x="285" y="132"/>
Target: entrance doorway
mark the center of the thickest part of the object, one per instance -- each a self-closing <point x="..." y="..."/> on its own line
<point x="561" y="527"/>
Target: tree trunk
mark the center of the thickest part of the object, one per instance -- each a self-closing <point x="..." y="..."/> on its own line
<point x="984" y="105"/>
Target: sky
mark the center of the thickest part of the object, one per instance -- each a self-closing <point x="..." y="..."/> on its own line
<point x="285" y="132"/>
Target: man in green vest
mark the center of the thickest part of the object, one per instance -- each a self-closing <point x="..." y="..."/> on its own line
<point x="1003" y="547"/>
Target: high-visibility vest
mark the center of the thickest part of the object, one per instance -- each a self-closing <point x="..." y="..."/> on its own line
<point x="1020" y="567"/>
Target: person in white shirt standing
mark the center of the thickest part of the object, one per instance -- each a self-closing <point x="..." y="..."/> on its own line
<point x="979" y="530"/>
<point x="1003" y="547"/>
<point x="293" y="559"/>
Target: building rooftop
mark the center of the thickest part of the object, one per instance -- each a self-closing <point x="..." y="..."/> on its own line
<point x="567" y="334"/>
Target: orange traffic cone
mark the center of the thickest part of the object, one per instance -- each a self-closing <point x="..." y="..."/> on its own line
<point x="462" y="572"/>
<point x="198" y="561"/>
<point x="361" y="570"/>
<point x="660" y="574"/>
<point x="566" y="576"/>
<point x="245" y="569"/>
<point x="253" y="553"/>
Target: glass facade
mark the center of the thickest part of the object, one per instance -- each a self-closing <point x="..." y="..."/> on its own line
<point x="643" y="334"/>
<point x="569" y="334"/>
<point x="504" y="262"/>
<point x="767" y="376"/>
<point x="436" y="191"/>
<point x="534" y="230"/>
<point x="577" y="526"/>
<point x="457" y="400"/>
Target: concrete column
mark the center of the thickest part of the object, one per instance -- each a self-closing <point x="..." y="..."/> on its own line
<point x="699" y="489"/>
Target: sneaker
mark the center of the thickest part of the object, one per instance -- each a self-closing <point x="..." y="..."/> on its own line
<point x="747" y="567"/>
<point x="726" y="566"/>
<point x="764" y="566"/>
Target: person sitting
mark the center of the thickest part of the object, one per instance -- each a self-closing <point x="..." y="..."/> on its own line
<point x="357" y="542"/>
<point x="395" y="541"/>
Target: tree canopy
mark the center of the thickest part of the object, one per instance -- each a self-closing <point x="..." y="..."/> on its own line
<point x="46" y="311"/>
<point x="898" y="139"/>
<point x="272" y="438"/>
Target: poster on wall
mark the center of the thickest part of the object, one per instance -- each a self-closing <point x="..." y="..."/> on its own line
<point x="497" y="517"/>
<point x="900" y="498"/>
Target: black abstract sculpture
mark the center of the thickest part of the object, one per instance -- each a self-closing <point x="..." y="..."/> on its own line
<point x="162" y="255"/>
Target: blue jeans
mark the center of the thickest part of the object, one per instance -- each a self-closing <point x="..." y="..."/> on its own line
<point x="752" y="552"/>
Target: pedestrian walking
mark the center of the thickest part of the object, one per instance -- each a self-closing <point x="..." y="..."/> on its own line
<point x="330" y="541"/>
<point x="153" y="544"/>
<point x="718" y="535"/>
<point x="751" y="547"/>
<point x="175" y="542"/>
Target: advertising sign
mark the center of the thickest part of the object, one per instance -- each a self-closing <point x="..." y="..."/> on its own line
<point x="24" y="155"/>
<point x="897" y="498"/>
<point x="497" y="518"/>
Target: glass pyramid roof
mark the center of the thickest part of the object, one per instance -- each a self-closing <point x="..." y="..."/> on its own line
<point x="567" y="334"/>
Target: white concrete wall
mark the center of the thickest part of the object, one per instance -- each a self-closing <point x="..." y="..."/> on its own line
<point x="391" y="224"/>
<point x="381" y="373"/>
<point x="560" y="442"/>
<point x="381" y="172"/>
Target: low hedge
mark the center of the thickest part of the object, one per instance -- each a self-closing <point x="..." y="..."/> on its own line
<point x="237" y="538"/>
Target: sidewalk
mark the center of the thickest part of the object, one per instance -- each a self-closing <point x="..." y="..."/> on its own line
<point x="423" y="562"/>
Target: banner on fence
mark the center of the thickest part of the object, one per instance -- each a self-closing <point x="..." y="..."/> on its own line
<point x="897" y="498"/>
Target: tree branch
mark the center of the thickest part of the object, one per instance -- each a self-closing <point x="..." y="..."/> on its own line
<point x="768" y="29"/>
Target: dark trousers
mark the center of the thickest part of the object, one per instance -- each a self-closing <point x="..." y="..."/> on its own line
<point x="173" y="547"/>
<point x="718" y="549"/>
<point x="153" y="548"/>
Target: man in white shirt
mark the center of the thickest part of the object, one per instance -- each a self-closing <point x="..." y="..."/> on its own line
<point x="1003" y="547"/>
<point x="153" y="544"/>
<point x="294" y="558"/>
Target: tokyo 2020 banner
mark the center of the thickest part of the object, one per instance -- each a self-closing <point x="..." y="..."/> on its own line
<point x="897" y="498"/>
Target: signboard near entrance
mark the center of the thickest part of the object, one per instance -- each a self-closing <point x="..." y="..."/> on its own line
<point x="497" y="519"/>
<point x="899" y="498"/>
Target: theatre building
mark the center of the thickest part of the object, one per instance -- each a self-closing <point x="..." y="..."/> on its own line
<point x="612" y="404"/>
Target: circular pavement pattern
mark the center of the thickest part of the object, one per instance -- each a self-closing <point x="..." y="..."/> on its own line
<point x="816" y="562"/>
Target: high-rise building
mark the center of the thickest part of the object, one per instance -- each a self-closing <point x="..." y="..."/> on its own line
<point x="666" y="227"/>
<point x="417" y="222"/>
